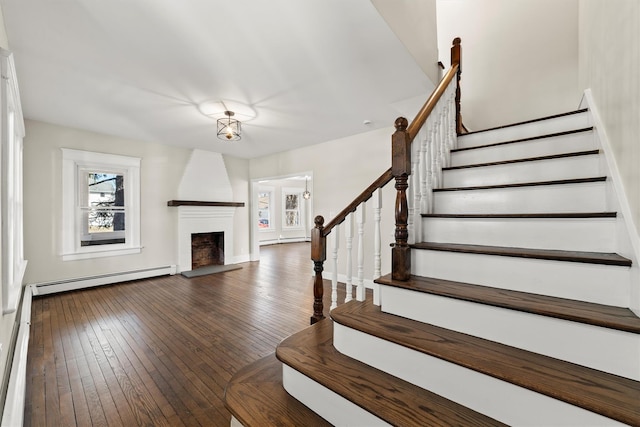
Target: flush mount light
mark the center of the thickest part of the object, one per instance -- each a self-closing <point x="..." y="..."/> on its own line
<point x="229" y="129"/>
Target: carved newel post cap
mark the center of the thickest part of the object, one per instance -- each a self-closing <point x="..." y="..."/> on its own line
<point x="457" y="41"/>
<point x="401" y="124"/>
<point x="319" y="221"/>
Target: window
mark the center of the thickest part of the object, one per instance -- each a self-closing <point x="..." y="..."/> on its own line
<point x="103" y="209"/>
<point x="264" y="210"/>
<point x="11" y="202"/>
<point x="292" y="217"/>
<point x="101" y="204"/>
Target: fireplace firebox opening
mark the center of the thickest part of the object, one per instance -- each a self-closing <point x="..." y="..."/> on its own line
<point x="207" y="249"/>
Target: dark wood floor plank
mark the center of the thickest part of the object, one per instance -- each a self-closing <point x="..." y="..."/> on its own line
<point x="105" y="322"/>
<point x="116" y="409"/>
<point x="66" y="380"/>
<point x="160" y="351"/>
<point x="80" y="364"/>
<point x="147" y="400"/>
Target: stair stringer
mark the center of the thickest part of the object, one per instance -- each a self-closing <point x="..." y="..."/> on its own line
<point x="628" y="239"/>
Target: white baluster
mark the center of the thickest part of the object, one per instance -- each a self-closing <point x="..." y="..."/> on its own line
<point x="360" y="214"/>
<point x="452" y="102"/>
<point x="377" y="243"/>
<point x="441" y="142"/>
<point x="348" y="236"/>
<point x="433" y="154"/>
<point x="425" y="173"/>
<point x="335" y="244"/>
<point x="413" y="192"/>
<point x="377" y="240"/>
<point x="445" y="131"/>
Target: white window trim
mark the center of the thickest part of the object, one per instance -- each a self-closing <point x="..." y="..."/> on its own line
<point x="285" y="193"/>
<point x="271" y="191"/>
<point x="11" y="183"/>
<point x="75" y="161"/>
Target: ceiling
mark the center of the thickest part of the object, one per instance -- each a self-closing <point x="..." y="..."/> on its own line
<point x="312" y="70"/>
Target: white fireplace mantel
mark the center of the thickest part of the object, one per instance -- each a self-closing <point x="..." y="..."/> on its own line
<point x="203" y="217"/>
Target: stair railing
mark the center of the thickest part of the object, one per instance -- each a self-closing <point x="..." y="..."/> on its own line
<point x="436" y="125"/>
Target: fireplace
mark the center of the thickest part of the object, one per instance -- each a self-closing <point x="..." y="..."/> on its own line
<point x="207" y="249"/>
<point x="205" y="220"/>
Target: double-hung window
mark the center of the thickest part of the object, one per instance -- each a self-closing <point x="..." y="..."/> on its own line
<point x="13" y="264"/>
<point x="101" y="204"/>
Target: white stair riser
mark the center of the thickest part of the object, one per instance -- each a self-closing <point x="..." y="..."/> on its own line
<point x="583" y="197"/>
<point x="597" y="283"/>
<point x="579" y="234"/>
<point x="498" y="399"/>
<point x="599" y="348"/>
<point x="329" y="405"/>
<point x="543" y="127"/>
<point x="582" y="141"/>
<point x="541" y="170"/>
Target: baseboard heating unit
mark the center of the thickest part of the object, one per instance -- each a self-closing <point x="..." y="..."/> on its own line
<point x="103" y="279"/>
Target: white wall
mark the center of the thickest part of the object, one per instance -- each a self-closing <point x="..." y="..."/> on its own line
<point x="341" y="169"/>
<point x="414" y="23"/>
<point x="277" y="233"/>
<point x="609" y="64"/>
<point x="162" y="167"/>
<point x="519" y="57"/>
<point x="238" y="171"/>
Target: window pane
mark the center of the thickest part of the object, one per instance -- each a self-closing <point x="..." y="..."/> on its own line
<point x="105" y="217"/>
<point x="264" y="213"/>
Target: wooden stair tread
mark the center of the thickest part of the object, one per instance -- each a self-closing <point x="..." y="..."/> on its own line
<point x="398" y="402"/>
<point x="524" y="160"/>
<point x="554" y="116"/>
<point x="558" y="215"/>
<point x="609" y="395"/>
<point x="606" y="316"/>
<point x="525" y="184"/>
<point x="255" y="396"/>
<point x="531" y="138"/>
<point x="548" y="254"/>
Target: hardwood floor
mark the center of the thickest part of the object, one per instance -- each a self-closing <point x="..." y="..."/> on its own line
<point x="160" y="351"/>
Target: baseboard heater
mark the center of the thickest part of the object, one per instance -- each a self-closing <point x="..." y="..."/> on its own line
<point x="103" y="279"/>
<point x="13" y="412"/>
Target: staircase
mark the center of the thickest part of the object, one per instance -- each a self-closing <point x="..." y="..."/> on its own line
<point x="515" y="312"/>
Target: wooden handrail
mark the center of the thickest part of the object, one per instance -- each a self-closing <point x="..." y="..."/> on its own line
<point x="362" y="197"/>
<point x="454" y="71"/>
<point x="400" y="170"/>
<point x="431" y="103"/>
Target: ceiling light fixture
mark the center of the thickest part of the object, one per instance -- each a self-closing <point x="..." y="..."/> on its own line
<point x="306" y="195"/>
<point x="229" y="129"/>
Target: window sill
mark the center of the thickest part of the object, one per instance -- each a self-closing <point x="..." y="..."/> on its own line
<point x="101" y="253"/>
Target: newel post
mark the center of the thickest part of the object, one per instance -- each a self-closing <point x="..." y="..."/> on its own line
<point x="456" y="58"/>
<point x="318" y="256"/>
<point x="401" y="169"/>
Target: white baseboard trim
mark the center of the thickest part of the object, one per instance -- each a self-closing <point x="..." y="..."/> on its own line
<point x="241" y="258"/>
<point x="13" y="413"/>
<point x="284" y="240"/>
<point x="103" y="279"/>
<point x="621" y="195"/>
